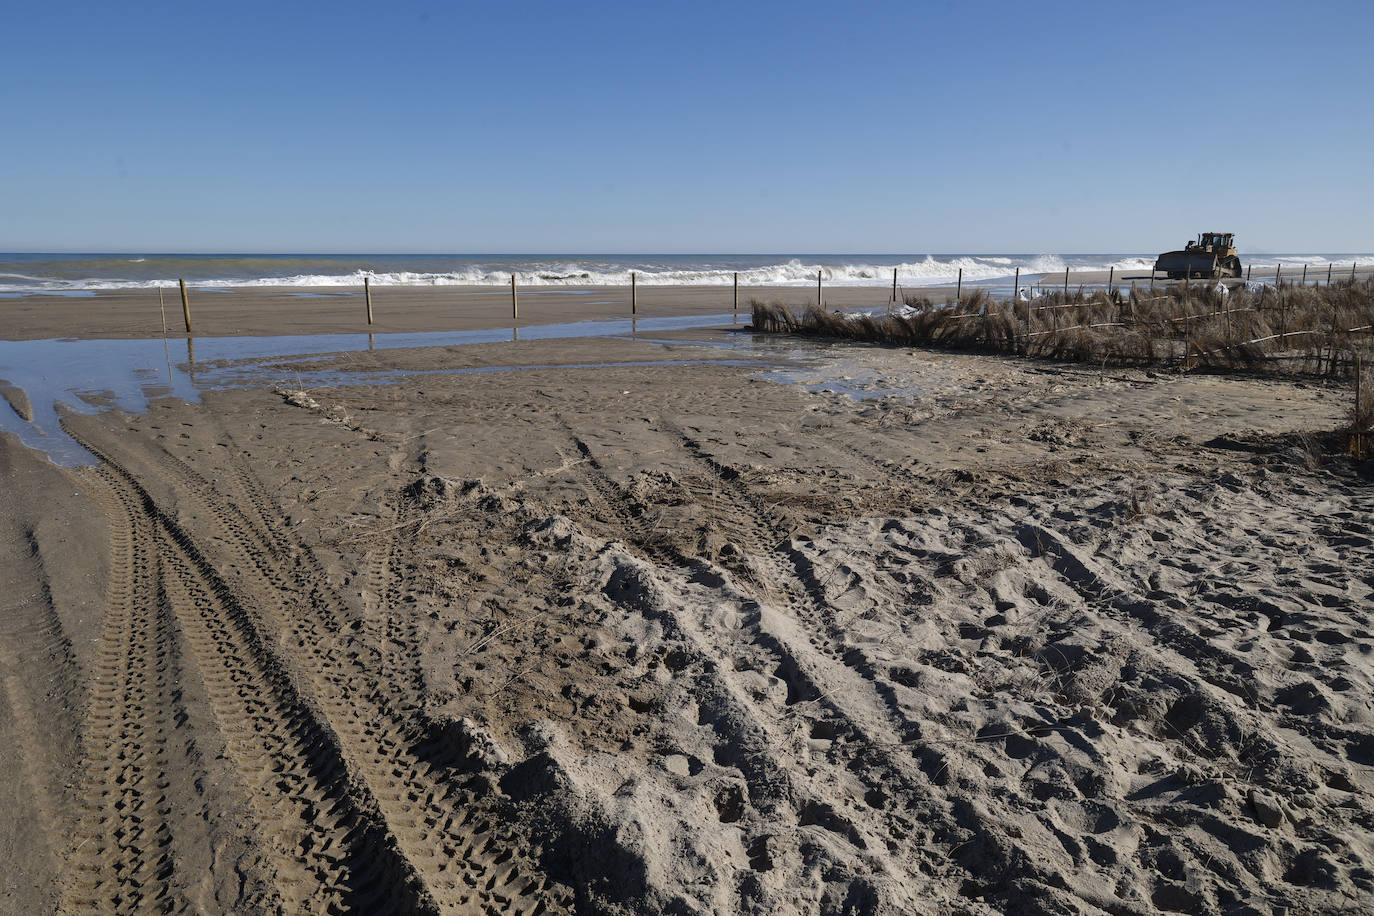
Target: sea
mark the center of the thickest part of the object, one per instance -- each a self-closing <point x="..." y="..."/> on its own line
<point x="85" y="274"/>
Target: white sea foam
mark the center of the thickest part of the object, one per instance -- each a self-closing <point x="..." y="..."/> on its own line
<point x="928" y="272"/>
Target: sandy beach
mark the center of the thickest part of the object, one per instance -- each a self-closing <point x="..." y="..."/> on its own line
<point x="709" y="623"/>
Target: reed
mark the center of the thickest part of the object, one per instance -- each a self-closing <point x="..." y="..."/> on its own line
<point x="1293" y="329"/>
<point x="1361" y="432"/>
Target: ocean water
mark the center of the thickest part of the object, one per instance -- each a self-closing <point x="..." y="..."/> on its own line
<point x="82" y="274"/>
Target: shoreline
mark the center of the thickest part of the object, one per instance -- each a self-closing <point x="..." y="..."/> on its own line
<point x="277" y="311"/>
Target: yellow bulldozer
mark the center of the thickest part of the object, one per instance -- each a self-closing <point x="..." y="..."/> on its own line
<point x="1211" y="257"/>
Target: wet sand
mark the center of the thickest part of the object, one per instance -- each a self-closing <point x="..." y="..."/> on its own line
<point x="274" y="311"/>
<point x="646" y="630"/>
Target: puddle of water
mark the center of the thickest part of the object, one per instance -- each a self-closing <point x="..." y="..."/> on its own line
<point x="90" y="375"/>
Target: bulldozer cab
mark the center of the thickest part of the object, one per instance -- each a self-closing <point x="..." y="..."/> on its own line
<point x="1218" y="242"/>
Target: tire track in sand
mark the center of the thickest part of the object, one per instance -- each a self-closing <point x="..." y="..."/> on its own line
<point x="31" y="630"/>
<point x="809" y="639"/>
<point x="464" y="859"/>
<point x="786" y="619"/>
<point x="325" y="840"/>
<point x="122" y="862"/>
<point x="613" y="502"/>
<point x="478" y="864"/>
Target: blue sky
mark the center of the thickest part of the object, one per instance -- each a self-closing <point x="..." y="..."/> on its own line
<point x="704" y="127"/>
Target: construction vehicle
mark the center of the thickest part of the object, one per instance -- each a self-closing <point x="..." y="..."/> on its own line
<point x="1211" y="257"/>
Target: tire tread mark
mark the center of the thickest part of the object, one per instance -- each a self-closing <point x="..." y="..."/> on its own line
<point x="606" y="494"/>
<point x="122" y="862"/>
<point x="333" y="848"/>
<point x="479" y="867"/>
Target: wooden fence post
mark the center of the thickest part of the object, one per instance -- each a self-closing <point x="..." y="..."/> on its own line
<point x="1359" y="417"/>
<point x="820" y="295"/>
<point x="959" y="287"/>
<point x="1066" y="284"/>
<point x="634" y="293"/>
<point x="1304" y="275"/>
<point x="514" y="299"/>
<point x="162" y="307"/>
<point x="1111" y="278"/>
<point x="185" y="306"/>
<point x="1247" y="272"/>
<point x="1278" y="276"/>
<point x="1328" y="273"/>
<point x="1331" y="350"/>
<point x="367" y="294"/>
<point x="1015" y="288"/>
<point x="1352" y="273"/>
<point x="894" y="284"/>
<point x="736" y="294"/>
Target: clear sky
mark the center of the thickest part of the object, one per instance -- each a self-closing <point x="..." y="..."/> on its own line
<point x="692" y="127"/>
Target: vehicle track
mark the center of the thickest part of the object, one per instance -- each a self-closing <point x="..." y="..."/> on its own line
<point x="30" y="629"/>
<point x="830" y="691"/>
<point x="31" y="626"/>
<point x="466" y="862"/>
<point x="122" y="862"/>
<point x="850" y="684"/>
<point x="393" y="631"/>
<point x="613" y="502"/>
<point x="479" y="865"/>
<point x="328" y="845"/>
<point x="748" y="519"/>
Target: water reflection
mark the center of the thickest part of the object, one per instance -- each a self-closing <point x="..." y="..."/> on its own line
<point x="88" y="375"/>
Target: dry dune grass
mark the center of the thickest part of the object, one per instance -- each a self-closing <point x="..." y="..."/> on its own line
<point x="1288" y="329"/>
<point x="1362" y="411"/>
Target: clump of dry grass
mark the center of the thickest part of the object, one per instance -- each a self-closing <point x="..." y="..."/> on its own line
<point x="1361" y="432"/>
<point x="1311" y="329"/>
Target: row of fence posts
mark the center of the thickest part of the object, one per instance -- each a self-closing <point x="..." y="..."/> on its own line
<point x="514" y="299"/>
<point x="958" y="285"/>
<point x="634" y="296"/>
<point x="820" y="290"/>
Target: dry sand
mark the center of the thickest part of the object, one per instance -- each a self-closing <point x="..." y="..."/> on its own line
<point x="880" y="632"/>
